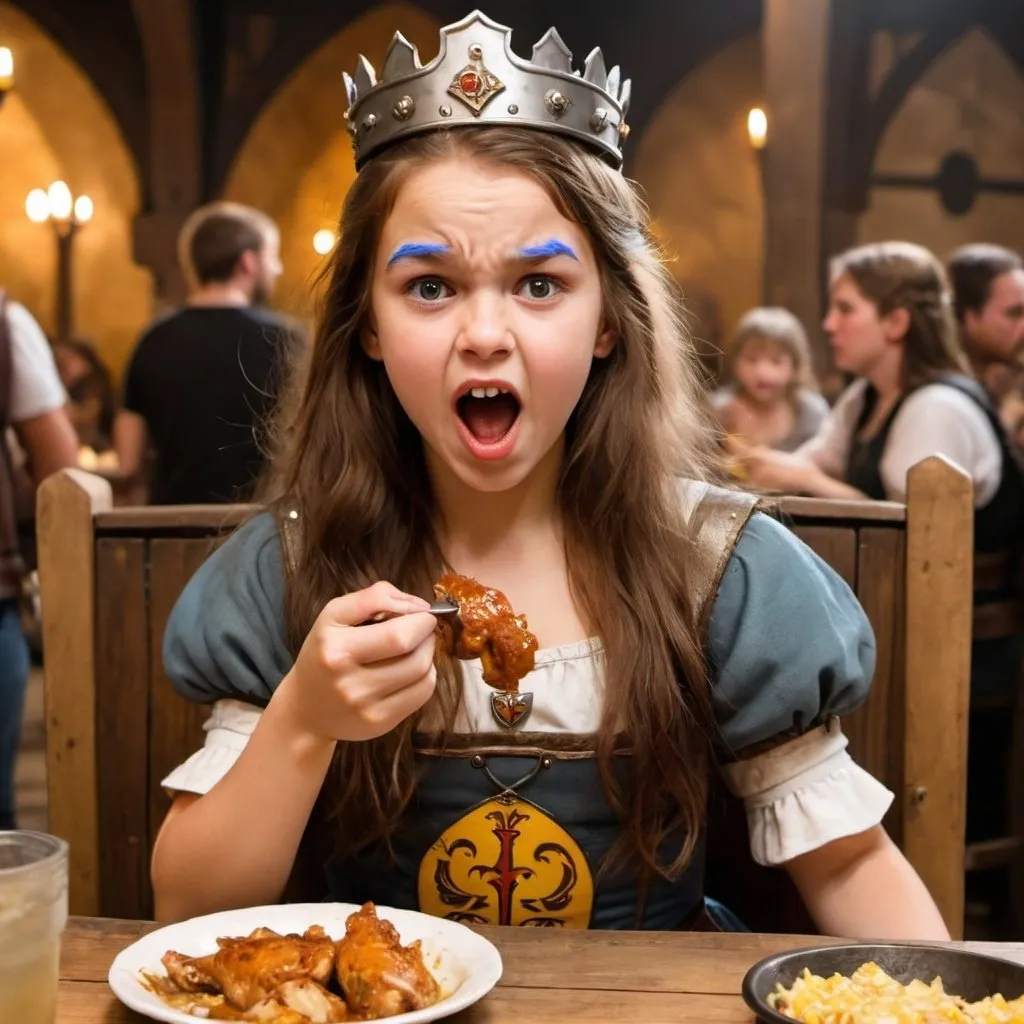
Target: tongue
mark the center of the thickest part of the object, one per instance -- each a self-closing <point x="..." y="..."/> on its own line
<point x="489" y="419"/>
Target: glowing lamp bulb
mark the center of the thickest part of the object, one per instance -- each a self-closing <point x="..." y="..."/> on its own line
<point x="83" y="209"/>
<point x="323" y="241"/>
<point x="61" y="203"/>
<point x="37" y="206"/>
<point x="757" y="128"/>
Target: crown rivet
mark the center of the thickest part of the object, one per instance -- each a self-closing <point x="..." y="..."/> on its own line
<point x="369" y="121"/>
<point x="404" y="108"/>
<point x="556" y="102"/>
<point x="513" y="108"/>
<point x="444" y="110"/>
<point x="623" y="131"/>
<point x="476" y="52"/>
<point x="599" y="120"/>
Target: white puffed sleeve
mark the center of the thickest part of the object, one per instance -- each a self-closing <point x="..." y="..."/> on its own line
<point x="805" y="793"/>
<point x="228" y="729"/>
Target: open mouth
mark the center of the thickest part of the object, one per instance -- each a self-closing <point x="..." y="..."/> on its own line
<point x="488" y="413"/>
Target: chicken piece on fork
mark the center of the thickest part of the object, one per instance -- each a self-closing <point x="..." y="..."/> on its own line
<point x="486" y="628"/>
<point x="252" y="969"/>
<point x="379" y="976"/>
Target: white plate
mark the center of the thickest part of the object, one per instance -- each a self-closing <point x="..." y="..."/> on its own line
<point x="465" y="964"/>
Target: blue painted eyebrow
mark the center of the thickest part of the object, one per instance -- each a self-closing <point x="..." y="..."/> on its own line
<point x="417" y="251"/>
<point x="546" y="250"/>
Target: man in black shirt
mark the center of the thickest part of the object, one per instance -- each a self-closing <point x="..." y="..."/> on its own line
<point x="203" y="381"/>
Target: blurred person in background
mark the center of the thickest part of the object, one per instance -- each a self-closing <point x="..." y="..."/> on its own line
<point x="772" y="399"/>
<point x="988" y="291"/>
<point x="86" y="379"/>
<point x="32" y="405"/>
<point x="203" y="380"/>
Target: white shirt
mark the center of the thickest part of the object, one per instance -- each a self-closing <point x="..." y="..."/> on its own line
<point x="36" y="387"/>
<point x="933" y="420"/>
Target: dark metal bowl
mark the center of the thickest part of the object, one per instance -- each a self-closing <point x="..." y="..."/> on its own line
<point x="966" y="974"/>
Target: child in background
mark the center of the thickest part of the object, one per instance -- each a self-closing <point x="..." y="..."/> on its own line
<point x="773" y="400"/>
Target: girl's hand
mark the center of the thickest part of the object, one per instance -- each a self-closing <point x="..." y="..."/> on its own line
<point x="355" y="682"/>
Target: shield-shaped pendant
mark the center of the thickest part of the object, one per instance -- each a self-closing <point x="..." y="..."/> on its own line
<point x="509" y="709"/>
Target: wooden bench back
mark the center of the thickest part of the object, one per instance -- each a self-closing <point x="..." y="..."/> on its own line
<point x="115" y="726"/>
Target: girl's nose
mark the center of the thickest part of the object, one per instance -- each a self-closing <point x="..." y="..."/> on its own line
<point x="485" y="331"/>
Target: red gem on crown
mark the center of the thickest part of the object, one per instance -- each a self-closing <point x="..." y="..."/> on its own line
<point x="470" y="83"/>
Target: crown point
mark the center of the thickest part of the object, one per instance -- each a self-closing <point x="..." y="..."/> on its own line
<point x="614" y="77"/>
<point x="401" y="59"/>
<point x="594" y="70"/>
<point x="366" y="77"/>
<point x="350" y="88"/>
<point x="624" y="96"/>
<point x="551" y="52"/>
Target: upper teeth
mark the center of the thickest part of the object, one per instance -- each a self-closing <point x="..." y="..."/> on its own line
<point x="487" y="392"/>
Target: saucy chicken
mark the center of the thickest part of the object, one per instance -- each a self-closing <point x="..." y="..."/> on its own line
<point x="301" y="979"/>
<point x="379" y="976"/>
<point x="488" y="629"/>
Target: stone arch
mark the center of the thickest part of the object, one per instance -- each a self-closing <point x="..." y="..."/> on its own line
<point x="54" y="125"/>
<point x="296" y="163"/>
<point x="970" y="98"/>
<point x="702" y="181"/>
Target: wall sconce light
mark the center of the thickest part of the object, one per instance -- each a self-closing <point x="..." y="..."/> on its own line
<point x="66" y="214"/>
<point x="59" y="207"/>
<point x="324" y="241"/>
<point x="757" y="128"/>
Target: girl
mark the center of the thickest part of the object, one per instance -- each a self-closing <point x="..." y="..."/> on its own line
<point x="773" y="400"/>
<point x="497" y="387"/>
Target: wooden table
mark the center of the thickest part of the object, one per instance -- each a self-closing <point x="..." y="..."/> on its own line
<point x="593" y="977"/>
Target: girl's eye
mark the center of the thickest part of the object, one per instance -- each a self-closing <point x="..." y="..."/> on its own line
<point x="428" y="289"/>
<point x="539" y="287"/>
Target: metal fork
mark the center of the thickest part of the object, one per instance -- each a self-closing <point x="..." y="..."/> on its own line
<point x="444" y="606"/>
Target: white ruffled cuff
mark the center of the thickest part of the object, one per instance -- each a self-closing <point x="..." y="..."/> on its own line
<point x="228" y="729"/>
<point x="804" y="794"/>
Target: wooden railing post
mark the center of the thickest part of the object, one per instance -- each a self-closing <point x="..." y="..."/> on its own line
<point x="940" y="560"/>
<point x="65" y="508"/>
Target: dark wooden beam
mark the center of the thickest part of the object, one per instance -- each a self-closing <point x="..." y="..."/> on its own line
<point x="796" y="50"/>
<point x="175" y="157"/>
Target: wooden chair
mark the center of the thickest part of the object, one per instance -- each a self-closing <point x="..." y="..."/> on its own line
<point x="115" y="726"/>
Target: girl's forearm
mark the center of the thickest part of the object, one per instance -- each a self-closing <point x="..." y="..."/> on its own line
<point x="236" y="845"/>
<point x="862" y="887"/>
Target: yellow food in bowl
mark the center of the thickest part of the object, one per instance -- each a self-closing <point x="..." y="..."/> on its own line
<point x="870" y="996"/>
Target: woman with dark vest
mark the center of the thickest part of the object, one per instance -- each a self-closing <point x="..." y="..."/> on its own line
<point x="890" y="322"/>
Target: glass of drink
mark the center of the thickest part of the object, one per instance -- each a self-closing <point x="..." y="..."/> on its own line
<point x="33" y="913"/>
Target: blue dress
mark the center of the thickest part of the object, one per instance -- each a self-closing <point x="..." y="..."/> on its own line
<point x="510" y="828"/>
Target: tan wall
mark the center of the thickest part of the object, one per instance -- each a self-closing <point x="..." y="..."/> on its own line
<point x="55" y="125"/>
<point x="971" y="98"/>
<point x="702" y="181"/>
<point x="296" y="163"/>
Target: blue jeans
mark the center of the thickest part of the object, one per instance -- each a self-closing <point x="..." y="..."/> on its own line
<point x="14" y="665"/>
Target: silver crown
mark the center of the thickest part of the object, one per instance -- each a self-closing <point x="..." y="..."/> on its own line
<point x="476" y="79"/>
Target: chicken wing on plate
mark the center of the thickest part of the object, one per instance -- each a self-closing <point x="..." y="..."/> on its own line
<point x="379" y="976"/>
<point x="251" y="969"/>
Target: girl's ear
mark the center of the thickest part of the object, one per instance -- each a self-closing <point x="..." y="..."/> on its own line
<point x="606" y="341"/>
<point x="370" y="341"/>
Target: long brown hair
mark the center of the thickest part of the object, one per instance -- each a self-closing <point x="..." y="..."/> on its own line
<point x="901" y="275"/>
<point x="352" y="462"/>
<point x="780" y="327"/>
